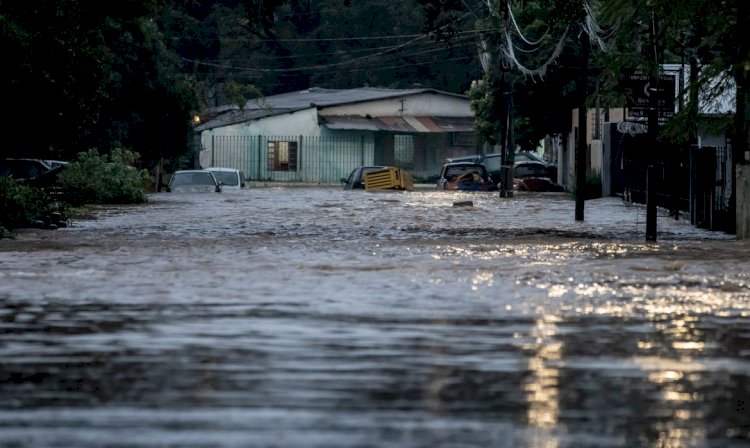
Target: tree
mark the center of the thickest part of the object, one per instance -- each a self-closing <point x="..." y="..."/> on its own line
<point x="539" y="68"/>
<point x="711" y="35"/>
<point x="90" y="75"/>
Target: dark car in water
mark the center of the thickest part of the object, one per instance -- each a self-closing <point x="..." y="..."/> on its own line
<point x="23" y="169"/>
<point x="356" y="179"/>
<point x="33" y="172"/>
<point x="465" y="176"/>
<point x="533" y="176"/>
<point x="530" y="171"/>
<point x="523" y="162"/>
<point x="528" y="156"/>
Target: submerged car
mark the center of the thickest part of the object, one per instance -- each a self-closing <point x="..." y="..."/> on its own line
<point x="230" y="178"/>
<point x="193" y="181"/>
<point x="493" y="163"/>
<point x="533" y="176"/>
<point x="529" y="169"/>
<point x="542" y="184"/>
<point x="465" y="176"/>
<point x="528" y="156"/>
<point x="356" y="179"/>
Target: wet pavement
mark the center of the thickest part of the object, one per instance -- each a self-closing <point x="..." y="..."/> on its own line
<point x="316" y="317"/>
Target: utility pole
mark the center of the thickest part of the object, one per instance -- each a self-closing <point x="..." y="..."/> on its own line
<point x="580" y="155"/>
<point x="653" y="130"/>
<point x="510" y="145"/>
<point x="742" y="108"/>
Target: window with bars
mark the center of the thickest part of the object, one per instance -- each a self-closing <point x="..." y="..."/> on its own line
<point x="282" y="156"/>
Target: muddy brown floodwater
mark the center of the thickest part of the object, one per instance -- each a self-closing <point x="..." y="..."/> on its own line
<point x="316" y="317"/>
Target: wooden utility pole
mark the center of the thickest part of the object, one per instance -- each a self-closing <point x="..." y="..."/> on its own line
<point x="742" y="107"/>
<point x="653" y="130"/>
<point x="581" y="147"/>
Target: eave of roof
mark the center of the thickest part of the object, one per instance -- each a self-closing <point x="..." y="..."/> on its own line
<point x="421" y="124"/>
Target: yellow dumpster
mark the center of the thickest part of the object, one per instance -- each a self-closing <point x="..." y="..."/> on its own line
<point x="390" y="178"/>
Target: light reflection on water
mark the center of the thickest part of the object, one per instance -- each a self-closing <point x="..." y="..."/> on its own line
<point x="319" y="317"/>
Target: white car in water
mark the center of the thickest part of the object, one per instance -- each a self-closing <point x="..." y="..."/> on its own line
<point x="193" y="181"/>
<point x="230" y="178"/>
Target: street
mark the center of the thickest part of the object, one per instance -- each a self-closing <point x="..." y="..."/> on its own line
<point x="317" y="317"/>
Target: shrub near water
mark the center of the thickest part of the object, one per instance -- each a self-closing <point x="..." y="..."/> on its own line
<point x="24" y="206"/>
<point x="100" y="179"/>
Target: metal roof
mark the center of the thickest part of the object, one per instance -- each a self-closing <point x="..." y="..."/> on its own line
<point x="400" y="124"/>
<point x="305" y="99"/>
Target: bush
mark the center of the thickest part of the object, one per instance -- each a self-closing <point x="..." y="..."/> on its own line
<point x="100" y="179"/>
<point x="25" y="206"/>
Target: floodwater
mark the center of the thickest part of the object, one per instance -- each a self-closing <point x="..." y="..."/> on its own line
<point x="316" y="317"/>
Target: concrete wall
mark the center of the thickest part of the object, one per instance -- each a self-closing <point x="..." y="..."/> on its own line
<point x="743" y="202"/>
<point x="597" y="158"/>
<point x="303" y="122"/>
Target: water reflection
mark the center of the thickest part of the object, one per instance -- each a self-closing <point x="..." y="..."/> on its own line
<point x="323" y="318"/>
<point x="543" y="381"/>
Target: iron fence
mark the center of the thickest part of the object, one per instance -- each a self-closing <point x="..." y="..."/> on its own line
<point x="290" y="158"/>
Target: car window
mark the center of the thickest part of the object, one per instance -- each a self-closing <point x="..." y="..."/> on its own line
<point x="522" y="157"/>
<point x="192" y="179"/>
<point x="22" y="169"/>
<point x="530" y="169"/>
<point x="204" y="179"/>
<point x="492" y="163"/>
<point x="461" y="170"/>
<point x="180" y="179"/>
<point x="227" y="177"/>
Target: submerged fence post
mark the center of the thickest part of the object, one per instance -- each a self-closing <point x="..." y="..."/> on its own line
<point x="300" y="174"/>
<point x="258" y="162"/>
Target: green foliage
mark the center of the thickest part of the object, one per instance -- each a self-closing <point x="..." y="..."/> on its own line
<point x="105" y="179"/>
<point x="20" y="205"/>
<point x="490" y="108"/>
<point x="104" y="74"/>
<point x="25" y="206"/>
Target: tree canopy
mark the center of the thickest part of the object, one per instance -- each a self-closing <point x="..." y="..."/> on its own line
<point x="82" y="74"/>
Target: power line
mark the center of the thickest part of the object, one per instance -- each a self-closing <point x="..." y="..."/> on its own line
<point x="463" y="41"/>
<point x="321" y="66"/>
<point x="317" y="66"/>
<point x="336" y="39"/>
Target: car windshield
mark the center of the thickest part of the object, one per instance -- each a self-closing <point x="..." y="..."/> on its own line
<point x="193" y="179"/>
<point x="459" y="171"/>
<point x="493" y="163"/>
<point x="525" y="156"/>
<point x="227" y="177"/>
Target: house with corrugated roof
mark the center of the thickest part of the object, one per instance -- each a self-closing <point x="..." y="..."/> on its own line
<point x="320" y="135"/>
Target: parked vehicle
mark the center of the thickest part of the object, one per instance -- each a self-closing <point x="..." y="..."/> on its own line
<point x="356" y="179"/>
<point x="493" y="163"/>
<point x="193" y="181"/>
<point x="23" y="169"/>
<point x="528" y="156"/>
<point x="32" y="172"/>
<point x="529" y="169"/>
<point x="230" y="178"/>
<point x="543" y="184"/>
<point x="466" y="176"/>
<point x="56" y="163"/>
<point x="533" y="176"/>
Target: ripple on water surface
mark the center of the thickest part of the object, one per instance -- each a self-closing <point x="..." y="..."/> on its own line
<point x="315" y="317"/>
